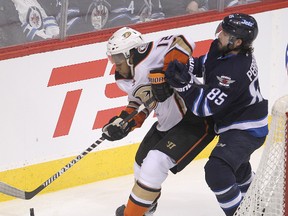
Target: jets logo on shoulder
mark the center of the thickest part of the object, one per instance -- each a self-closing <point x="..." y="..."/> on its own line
<point x="143" y="48"/>
<point x="225" y="81"/>
<point x="34" y="18"/>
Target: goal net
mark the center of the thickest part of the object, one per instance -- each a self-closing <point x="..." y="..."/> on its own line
<point x="267" y="194"/>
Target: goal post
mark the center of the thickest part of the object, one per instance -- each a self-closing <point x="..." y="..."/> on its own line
<point x="268" y="192"/>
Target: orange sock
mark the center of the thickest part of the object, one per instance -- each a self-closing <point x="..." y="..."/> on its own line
<point x="133" y="209"/>
<point x="140" y="200"/>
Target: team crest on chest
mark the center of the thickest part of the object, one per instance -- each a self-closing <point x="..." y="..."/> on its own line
<point x="144" y="94"/>
<point x="99" y="15"/>
<point x="225" y="81"/>
<point x="34" y="18"/>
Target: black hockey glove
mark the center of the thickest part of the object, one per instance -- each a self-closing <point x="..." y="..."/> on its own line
<point x="160" y="88"/>
<point x="180" y="75"/>
<point x="117" y="129"/>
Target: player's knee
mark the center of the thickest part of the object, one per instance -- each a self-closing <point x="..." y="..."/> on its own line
<point x="218" y="174"/>
<point x="137" y="169"/>
<point x="155" y="168"/>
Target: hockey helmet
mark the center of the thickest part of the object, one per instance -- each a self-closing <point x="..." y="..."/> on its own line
<point x="241" y="26"/>
<point x="122" y="41"/>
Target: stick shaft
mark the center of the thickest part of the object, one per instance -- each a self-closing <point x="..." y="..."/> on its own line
<point x="15" y="192"/>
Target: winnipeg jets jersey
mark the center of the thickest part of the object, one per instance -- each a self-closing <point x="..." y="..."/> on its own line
<point x="232" y="94"/>
<point x="124" y="12"/>
<point x="151" y="56"/>
<point x="35" y="22"/>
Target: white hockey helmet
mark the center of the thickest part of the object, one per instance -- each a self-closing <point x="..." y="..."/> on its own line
<point x="120" y="44"/>
<point x="122" y="41"/>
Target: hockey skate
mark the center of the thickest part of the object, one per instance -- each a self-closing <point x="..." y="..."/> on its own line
<point x="120" y="211"/>
<point x="150" y="211"/>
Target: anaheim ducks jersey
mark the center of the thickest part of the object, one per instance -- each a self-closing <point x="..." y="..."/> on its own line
<point x="150" y="56"/>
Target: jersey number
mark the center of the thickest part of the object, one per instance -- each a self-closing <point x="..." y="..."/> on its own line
<point x="131" y="7"/>
<point x="217" y="96"/>
<point x="164" y="41"/>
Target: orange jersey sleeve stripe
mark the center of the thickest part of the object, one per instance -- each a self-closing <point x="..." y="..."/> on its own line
<point x="180" y="50"/>
<point x="139" y="118"/>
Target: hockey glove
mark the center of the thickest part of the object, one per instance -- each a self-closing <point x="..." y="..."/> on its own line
<point x="180" y="75"/>
<point x="160" y="88"/>
<point x="117" y="129"/>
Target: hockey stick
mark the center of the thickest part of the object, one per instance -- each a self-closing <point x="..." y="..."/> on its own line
<point x="26" y="195"/>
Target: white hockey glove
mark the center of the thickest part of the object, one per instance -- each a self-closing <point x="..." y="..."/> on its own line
<point x="117" y="129"/>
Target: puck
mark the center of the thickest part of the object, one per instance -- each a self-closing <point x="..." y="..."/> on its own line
<point x="32" y="212"/>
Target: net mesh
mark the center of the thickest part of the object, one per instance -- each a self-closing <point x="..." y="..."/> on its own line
<point x="266" y="195"/>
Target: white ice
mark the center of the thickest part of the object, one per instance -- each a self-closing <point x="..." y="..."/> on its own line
<point x="184" y="194"/>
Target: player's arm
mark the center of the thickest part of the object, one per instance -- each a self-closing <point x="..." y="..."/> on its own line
<point x="207" y="101"/>
<point x="117" y="128"/>
<point x="180" y="49"/>
<point x="202" y="100"/>
<point x="141" y="116"/>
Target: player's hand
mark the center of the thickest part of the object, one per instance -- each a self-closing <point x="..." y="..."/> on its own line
<point x="180" y="75"/>
<point x="117" y="129"/>
<point x="160" y="88"/>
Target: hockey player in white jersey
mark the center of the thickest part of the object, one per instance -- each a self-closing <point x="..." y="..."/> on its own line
<point x="177" y="136"/>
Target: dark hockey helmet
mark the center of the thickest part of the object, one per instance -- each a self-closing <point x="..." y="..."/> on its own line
<point x="241" y="26"/>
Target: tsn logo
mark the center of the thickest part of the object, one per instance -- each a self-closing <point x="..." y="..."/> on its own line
<point x="86" y="71"/>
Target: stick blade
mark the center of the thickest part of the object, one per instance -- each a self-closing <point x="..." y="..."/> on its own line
<point x="12" y="191"/>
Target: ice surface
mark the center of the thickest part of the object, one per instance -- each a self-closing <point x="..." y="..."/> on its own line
<point x="184" y="194"/>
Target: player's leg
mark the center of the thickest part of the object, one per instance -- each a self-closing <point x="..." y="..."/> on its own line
<point x="244" y="176"/>
<point x="223" y="171"/>
<point x="221" y="180"/>
<point x="182" y="143"/>
<point x="140" y="191"/>
<point x="147" y="188"/>
<point x="150" y="140"/>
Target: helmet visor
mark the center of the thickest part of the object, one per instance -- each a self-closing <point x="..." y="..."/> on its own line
<point x="117" y="58"/>
<point x="218" y="30"/>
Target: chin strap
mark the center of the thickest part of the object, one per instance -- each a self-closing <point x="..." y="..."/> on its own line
<point x="131" y="66"/>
